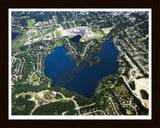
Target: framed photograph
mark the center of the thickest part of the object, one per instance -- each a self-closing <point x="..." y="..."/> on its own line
<point x="80" y="63"/>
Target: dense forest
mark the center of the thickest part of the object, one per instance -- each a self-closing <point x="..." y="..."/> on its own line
<point x="56" y="108"/>
<point x="21" y="105"/>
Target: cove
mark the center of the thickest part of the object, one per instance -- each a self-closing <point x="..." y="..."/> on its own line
<point x="76" y="38"/>
<point x="86" y="81"/>
<point x="14" y="35"/>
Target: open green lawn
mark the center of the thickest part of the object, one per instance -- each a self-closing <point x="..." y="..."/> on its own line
<point x="98" y="35"/>
<point x="34" y="78"/>
<point x="58" y="34"/>
<point x="47" y="36"/>
<point x="57" y="44"/>
<point x="16" y="44"/>
<point x="20" y="107"/>
<point x="128" y="112"/>
<point x="99" y="32"/>
<point x="34" y="36"/>
<point x="31" y="22"/>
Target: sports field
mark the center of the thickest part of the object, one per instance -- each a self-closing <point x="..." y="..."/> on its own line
<point x="58" y="34"/>
<point x="31" y="22"/>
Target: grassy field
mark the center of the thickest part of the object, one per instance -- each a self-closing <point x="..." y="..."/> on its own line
<point x="58" y="34"/>
<point x="16" y="44"/>
<point x="57" y="44"/>
<point x="128" y="112"/>
<point x="47" y="36"/>
<point x="31" y="22"/>
<point x="34" y="36"/>
<point x="70" y="36"/>
<point x="98" y="35"/>
<point x="34" y="78"/>
<point x="36" y="97"/>
<point x="20" y="107"/>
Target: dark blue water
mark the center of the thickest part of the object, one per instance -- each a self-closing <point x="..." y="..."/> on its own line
<point x="14" y="35"/>
<point x="76" y="38"/>
<point x="86" y="81"/>
<point x="57" y="63"/>
<point x="146" y="43"/>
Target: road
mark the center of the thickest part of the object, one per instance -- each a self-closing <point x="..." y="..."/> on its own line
<point x="40" y="94"/>
<point x="113" y="105"/>
<point x="87" y="113"/>
<point x="86" y="49"/>
<point x="71" y="46"/>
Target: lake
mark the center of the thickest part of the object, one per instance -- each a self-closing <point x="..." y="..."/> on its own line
<point x="76" y="38"/>
<point x="14" y="35"/>
<point x="146" y="43"/>
<point x="86" y="81"/>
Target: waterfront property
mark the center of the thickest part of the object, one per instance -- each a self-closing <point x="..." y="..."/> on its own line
<point x="58" y="67"/>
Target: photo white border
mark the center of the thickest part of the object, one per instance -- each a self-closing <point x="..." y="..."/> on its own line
<point x="80" y="117"/>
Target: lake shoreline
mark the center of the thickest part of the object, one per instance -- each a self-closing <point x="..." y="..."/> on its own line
<point x="16" y="35"/>
<point x="86" y="81"/>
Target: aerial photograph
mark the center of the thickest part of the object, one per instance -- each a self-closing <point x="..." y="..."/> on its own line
<point x="79" y="63"/>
